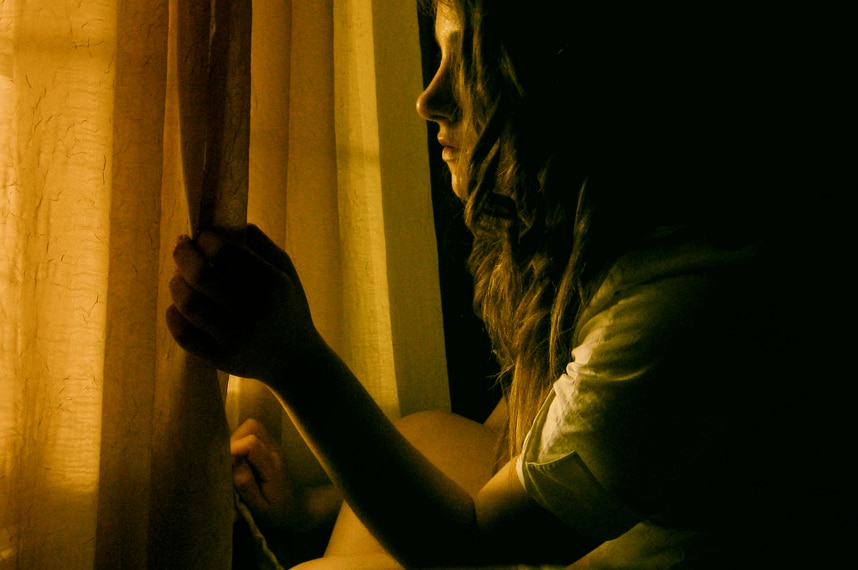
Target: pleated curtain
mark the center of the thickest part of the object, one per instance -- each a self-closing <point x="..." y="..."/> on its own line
<point x="114" y="140"/>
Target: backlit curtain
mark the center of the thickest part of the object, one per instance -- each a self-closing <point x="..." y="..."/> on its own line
<point x="113" y="449"/>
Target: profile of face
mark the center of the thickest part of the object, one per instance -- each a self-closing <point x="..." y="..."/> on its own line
<point x="438" y="103"/>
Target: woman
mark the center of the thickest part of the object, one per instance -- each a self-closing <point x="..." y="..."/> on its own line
<point x="618" y="165"/>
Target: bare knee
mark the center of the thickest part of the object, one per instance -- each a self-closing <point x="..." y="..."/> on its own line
<point x="421" y="424"/>
<point x="379" y="561"/>
<point x="462" y="449"/>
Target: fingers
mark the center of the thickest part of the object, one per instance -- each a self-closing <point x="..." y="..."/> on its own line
<point x="262" y="245"/>
<point x="221" y="270"/>
<point x="198" y="309"/>
<point x="252" y="426"/>
<point x="244" y="481"/>
<point x="220" y="285"/>
<point x="252" y="443"/>
<point x="234" y="307"/>
<point x="195" y="268"/>
<point x="190" y="337"/>
<point x="257" y="454"/>
<point x="235" y="265"/>
<point x="260" y="474"/>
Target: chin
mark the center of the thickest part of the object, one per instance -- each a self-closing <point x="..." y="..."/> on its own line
<point x="456" y="181"/>
<point x="458" y="187"/>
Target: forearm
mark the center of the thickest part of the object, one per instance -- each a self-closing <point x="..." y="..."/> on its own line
<point x="418" y="514"/>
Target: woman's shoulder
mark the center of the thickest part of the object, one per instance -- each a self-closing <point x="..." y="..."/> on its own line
<point x="667" y="262"/>
<point x="659" y="298"/>
<point x="669" y="255"/>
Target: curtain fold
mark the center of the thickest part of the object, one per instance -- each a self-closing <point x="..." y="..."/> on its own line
<point x="130" y="345"/>
<point x="57" y="161"/>
<point x="392" y="322"/>
<point x="114" y="444"/>
<point x="206" y="151"/>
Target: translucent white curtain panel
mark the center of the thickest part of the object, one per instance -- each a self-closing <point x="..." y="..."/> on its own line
<point x="114" y="443"/>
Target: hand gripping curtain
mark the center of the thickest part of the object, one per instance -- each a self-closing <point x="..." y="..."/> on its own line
<point x="113" y="446"/>
<point x="122" y="126"/>
<point x="212" y="71"/>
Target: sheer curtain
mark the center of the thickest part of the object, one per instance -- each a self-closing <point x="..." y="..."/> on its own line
<point x="113" y="444"/>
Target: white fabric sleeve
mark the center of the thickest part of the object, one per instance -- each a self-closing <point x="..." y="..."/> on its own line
<point x="565" y="487"/>
<point x="640" y="395"/>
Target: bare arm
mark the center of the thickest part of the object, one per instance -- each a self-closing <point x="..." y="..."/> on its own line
<point x="244" y="310"/>
<point x="419" y="515"/>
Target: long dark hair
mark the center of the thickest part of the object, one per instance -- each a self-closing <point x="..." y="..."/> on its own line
<point x="593" y="127"/>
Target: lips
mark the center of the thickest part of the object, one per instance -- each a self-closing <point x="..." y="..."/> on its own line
<point x="450" y="153"/>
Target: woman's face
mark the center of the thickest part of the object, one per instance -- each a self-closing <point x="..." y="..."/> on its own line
<point x="438" y="102"/>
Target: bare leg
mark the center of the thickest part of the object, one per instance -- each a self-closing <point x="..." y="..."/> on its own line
<point x="463" y="449"/>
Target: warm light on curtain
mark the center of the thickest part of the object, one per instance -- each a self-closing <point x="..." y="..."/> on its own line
<point x="56" y="140"/>
<point x="108" y="455"/>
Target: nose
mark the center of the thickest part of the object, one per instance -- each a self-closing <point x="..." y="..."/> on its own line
<point x="437" y="102"/>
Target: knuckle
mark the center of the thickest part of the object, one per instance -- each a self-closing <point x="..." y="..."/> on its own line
<point x="255" y="429"/>
<point x="247" y="446"/>
<point x="178" y="325"/>
<point x="255" y="444"/>
<point x="187" y="305"/>
<point x="253" y="424"/>
<point x="192" y="304"/>
<point x="251" y="441"/>
<point x="243" y="479"/>
<point x="177" y="285"/>
<point x="185" y="298"/>
<point x="200" y="274"/>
